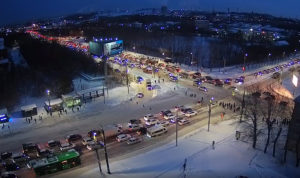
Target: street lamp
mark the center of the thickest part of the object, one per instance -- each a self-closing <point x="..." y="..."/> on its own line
<point x="209" y="112"/>
<point x="245" y="57"/>
<point x="105" y="151"/>
<point x="49" y="107"/>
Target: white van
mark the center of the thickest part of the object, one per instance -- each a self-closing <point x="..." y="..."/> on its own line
<point x="156" y="130"/>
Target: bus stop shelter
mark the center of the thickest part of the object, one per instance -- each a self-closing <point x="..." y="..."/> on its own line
<point x="71" y="100"/>
<point x="54" y="105"/>
<point x="91" y="93"/>
<point x="29" y="110"/>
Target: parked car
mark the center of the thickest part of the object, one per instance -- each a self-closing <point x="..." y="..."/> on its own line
<point x="218" y="82"/>
<point x="73" y="138"/>
<point x="276" y="75"/>
<point x="66" y="146"/>
<point x="133" y="127"/>
<point x="191" y="113"/>
<point x="183" y="122"/>
<point x="196" y="75"/>
<point x="53" y="143"/>
<point x="133" y="140"/>
<point x="5" y="155"/>
<point x="163" y="123"/>
<point x="228" y="81"/>
<point x="142" y="131"/>
<point x="8" y="175"/>
<point x="123" y="137"/>
<point x="87" y="140"/>
<point x="165" y="112"/>
<point x="196" y="83"/>
<point x="203" y="89"/>
<point x="174" y="119"/>
<point x="140" y="95"/>
<point x="134" y="121"/>
<point x="150" y="122"/>
<point x="148" y="116"/>
<point x="169" y="116"/>
<point x="44" y="153"/>
<point x="10" y="165"/>
<point x="95" y="145"/>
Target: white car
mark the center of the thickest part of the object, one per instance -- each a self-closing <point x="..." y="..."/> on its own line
<point x="87" y="140"/>
<point x="123" y="137"/>
<point x="66" y="146"/>
<point x="183" y="122"/>
<point x="169" y="116"/>
<point x="191" y="113"/>
<point x="148" y="116"/>
<point x="94" y="145"/>
<point x="133" y="140"/>
<point x="163" y="123"/>
<point x="151" y="122"/>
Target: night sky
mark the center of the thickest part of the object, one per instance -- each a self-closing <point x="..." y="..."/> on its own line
<point x="16" y="11"/>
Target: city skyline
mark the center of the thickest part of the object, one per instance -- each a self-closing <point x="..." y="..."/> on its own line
<point x="46" y="9"/>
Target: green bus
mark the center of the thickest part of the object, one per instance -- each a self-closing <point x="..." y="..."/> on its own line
<point x="62" y="161"/>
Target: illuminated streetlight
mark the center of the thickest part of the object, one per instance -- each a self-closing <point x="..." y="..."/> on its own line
<point x="49" y="107"/>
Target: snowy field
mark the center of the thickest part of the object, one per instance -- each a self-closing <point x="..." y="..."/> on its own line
<point x="229" y="158"/>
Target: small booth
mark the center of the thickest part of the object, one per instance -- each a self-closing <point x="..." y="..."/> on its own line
<point x="54" y="105"/>
<point x="90" y="93"/>
<point x="71" y="100"/>
<point x="29" y="110"/>
<point x="4" y="115"/>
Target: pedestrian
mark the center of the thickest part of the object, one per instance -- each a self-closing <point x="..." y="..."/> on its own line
<point x="233" y="105"/>
<point x="66" y="111"/>
<point x="3" y="126"/>
<point x="143" y="105"/>
<point x="201" y="99"/>
<point x="72" y="108"/>
<point x="77" y="108"/>
<point x="174" y="88"/>
<point x="154" y="81"/>
<point x="213" y="145"/>
<point x="184" y="165"/>
<point x="34" y="120"/>
<point x="137" y="102"/>
<point x="163" y="80"/>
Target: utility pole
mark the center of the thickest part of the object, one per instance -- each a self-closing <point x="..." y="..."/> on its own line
<point x="98" y="160"/>
<point x="103" y="94"/>
<point x="127" y="82"/>
<point x="176" y="127"/>
<point x="209" y="113"/>
<point x="243" y="106"/>
<point x="105" y="151"/>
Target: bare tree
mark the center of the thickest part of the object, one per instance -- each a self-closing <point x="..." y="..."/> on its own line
<point x="270" y="108"/>
<point x="252" y="116"/>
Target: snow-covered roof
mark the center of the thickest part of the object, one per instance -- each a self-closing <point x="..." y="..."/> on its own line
<point x="28" y="107"/>
<point x="90" y="90"/>
<point x="3" y="111"/>
<point x="54" y="102"/>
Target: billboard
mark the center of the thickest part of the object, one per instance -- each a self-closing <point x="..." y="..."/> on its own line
<point x="113" y="48"/>
<point x="295" y="80"/>
<point x="96" y="48"/>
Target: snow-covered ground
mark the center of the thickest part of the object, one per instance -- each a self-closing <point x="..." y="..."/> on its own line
<point x="229" y="158"/>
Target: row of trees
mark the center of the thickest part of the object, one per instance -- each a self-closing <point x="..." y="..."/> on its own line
<point x="265" y="118"/>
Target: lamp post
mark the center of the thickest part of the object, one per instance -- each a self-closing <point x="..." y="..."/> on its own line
<point x="245" y="57"/>
<point x="209" y="112"/>
<point x="105" y="151"/>
<point x="49" y="107"/>
<point x="176" y="126"/>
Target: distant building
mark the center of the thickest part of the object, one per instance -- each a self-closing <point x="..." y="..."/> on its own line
<point x="164" y="10"/>
<point x="137" y="25"/>
<point x="202" y="24"/>
<point x="294" y="131"/>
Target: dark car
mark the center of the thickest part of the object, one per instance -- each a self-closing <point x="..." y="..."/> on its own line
<point x="5" y="155"/>
<point x="196" y="75"/>
<point x="165" y="112"/>
<point x="228" y="81"/>
<point x="29" y="148"/>
<point x="134" y="121"/>
<point x="196" y="82"/>
<point x="53" y="143"/>
<point x="73" y="138"/>
<point x="142" y="131"/>
<point x="10" y="165"/>
<point x="218" y="82"/>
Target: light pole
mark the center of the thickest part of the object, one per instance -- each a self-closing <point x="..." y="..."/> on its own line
<point x="176" y="126"/>
<point x="245" y="57"/>
<point x="209" y="112"/>
<point x="49" y="107"/>
<point x="98" y="160"/>
<point x="127" y="82"/>
<point x="105" y="151"/>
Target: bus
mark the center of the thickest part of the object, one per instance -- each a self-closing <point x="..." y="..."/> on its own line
<point x="61" y="161"/>
<point x="156" y="130"/>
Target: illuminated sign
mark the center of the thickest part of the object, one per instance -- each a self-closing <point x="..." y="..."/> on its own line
<point x="295" y="80"/>
<point x="113" y="48"/>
